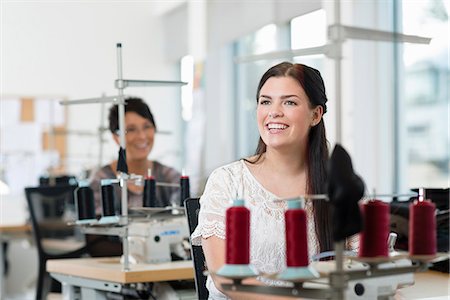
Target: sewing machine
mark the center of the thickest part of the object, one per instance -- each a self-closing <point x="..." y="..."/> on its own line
<point x="154" y="240"/>
<point x="378" y="287"/>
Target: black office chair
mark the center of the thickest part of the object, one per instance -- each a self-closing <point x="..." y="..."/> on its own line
<point x="192" y="206"/>
<point x="51" y="208"/>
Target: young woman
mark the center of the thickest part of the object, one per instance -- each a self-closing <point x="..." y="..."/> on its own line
<point x="290" y="161"/>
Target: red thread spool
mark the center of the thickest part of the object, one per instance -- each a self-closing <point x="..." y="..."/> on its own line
<point x="238" y="234"/>
<point x="422" y="228"/>
<point x="374" y="237"/>
<point x="296" y="235"/>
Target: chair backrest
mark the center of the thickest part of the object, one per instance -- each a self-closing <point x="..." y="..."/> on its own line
<point x="192" y="206"/>
<point x="51" y="208"/>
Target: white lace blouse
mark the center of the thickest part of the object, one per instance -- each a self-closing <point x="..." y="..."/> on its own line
<point x="267" y="234"/>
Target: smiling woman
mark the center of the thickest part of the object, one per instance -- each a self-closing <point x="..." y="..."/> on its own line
<point x="285" y="115"/>
<point x="290" y="161"/>
<point x="140" y="129"/>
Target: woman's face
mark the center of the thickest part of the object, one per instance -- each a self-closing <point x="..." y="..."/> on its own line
<point x="139" y="136"/>
<point x="284" y="114"/>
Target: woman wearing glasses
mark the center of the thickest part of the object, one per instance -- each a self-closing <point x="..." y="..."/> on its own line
<point x="140" y="131"/>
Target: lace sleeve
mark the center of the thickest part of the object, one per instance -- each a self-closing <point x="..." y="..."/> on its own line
<point x="352" y="243"/>
<point x="219" y="192"/>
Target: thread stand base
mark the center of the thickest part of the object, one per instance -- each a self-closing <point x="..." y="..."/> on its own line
<point x="434" y="258"/>
<point x="236" y="271"/>
<point x="298" y="274"/>
<point x="109" y="220"/>
<point x="86" y="222"/>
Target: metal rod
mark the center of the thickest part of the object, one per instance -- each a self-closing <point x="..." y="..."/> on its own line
<point x="139" y="178"/>
<point x="359" y="33"/>
<point x="73" y="132"/>
<point x="344" y="33"/>
<point x="389" y="195"/>
<point x="337" y="73"/>
<point x="340" y="282"/>
<point x="100" y="134"/>
<point x="325" y="196"/>
<point x="109" y="99"/>
<point x="168" y="184"/>
<point x="163" y="132"/>
<point x="306" y="197"/>
<point x="126" y="263"/>
<point x="123" y="177"/>
<point x="286" y="54"/>
<point x="310" y="293"/>
<point x="137" y="83"/>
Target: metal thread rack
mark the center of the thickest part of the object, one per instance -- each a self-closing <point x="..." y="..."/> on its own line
<point x="123" y="177"/>
<point x="334" y="281"/>
<point x="335" y="284"/>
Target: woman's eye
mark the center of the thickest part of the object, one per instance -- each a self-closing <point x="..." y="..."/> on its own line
<point x="264" y="102"/>
<point x="148" y="127"/>
<point x="131" y="130"/>
<point x="290" y="102"/>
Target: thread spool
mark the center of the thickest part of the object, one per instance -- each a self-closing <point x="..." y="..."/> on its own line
<point x="422" y="227"/>
<point x="84" y="201"/>
<point x="108" y="198"/>
<point x="238" y="234"/>
<point x="237" y="242"/>
<point x="375" y="234"/>
<point x="297" y="258"/>
<point x="296" y="237"/>
<point x="184" y="189"/>
<point x="149" y="196"/>
<point x="108" y="203"/>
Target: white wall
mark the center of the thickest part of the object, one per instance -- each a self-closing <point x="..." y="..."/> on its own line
<point x="69" y="49"/>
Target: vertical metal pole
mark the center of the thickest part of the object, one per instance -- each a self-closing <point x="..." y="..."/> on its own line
<point x="339" y="246"/>
<point x="341" y="282"/>
<point x="337" y="71"/>
<point x="100" y="133"/>
<point x="123" y="177"/>
<point x="121" y="105"/>
<point x="397" y="160"/>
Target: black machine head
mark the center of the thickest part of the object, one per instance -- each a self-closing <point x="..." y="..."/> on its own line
<point x="345" y="189"/>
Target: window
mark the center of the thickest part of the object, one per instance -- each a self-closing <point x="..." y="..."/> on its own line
<point x="425" y="104"/>
<point x="305" y="31"/>
<point x="266" y="39"/>
<point x="309" y="30"/>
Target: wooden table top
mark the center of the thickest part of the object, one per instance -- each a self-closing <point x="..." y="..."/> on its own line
<point x="110" y="269"/>
<point x="15" y="231"/>
<point x="428" y="285"/>
<point x="6" y="228"/>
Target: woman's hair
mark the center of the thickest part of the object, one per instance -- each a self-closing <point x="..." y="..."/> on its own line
<point x="136" y="105"/>
<point x="317" y="149"/>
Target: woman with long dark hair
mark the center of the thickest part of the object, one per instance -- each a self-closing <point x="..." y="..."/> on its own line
<point x="290" y="161"/>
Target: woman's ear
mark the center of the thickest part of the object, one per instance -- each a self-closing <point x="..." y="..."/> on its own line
<point x="317" y="115"/>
